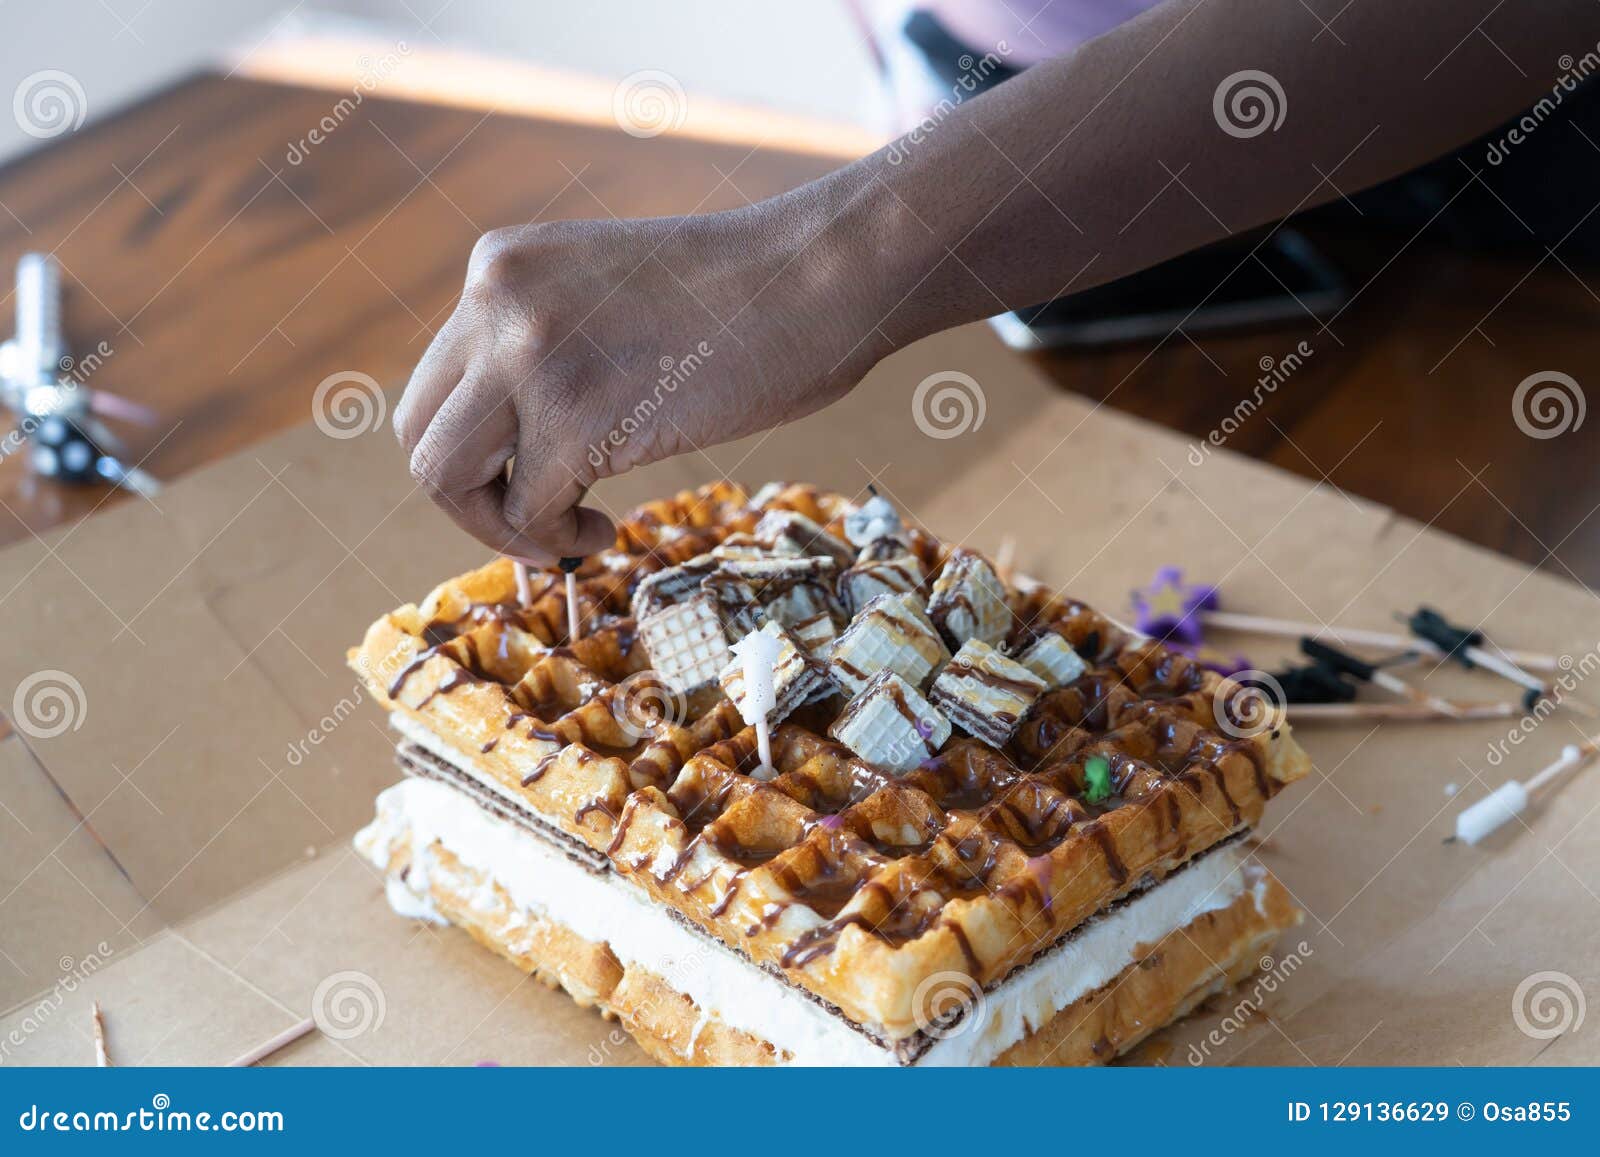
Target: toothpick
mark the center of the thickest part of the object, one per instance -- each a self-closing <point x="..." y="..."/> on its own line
<point x="524" y="586"/>
<point x="267" y="1047"/>
<point x="574" y="626"/>
<point x="102" y="1056"/>
<point x="1357" y="637"/>
<point x="1399" y="712"/>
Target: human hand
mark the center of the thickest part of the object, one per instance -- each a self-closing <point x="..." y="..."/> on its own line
<point x="582" y="349"/>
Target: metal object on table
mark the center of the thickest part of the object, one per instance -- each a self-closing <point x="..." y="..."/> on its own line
<point x="65" y="438"/>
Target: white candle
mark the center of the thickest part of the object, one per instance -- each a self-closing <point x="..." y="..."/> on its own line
<point x="758" y="654"/>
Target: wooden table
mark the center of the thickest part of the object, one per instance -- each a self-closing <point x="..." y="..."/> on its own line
<point x="229" y="282"/>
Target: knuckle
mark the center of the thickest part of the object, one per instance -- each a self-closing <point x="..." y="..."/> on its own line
<point x="427" y="472"/>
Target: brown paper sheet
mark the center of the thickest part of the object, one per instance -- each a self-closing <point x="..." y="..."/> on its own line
<point x="181" y="852"/>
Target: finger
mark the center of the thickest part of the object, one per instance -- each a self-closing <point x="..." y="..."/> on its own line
<point x="468" y="442"/>
<point x="431" y="383"/>
<point x="542" y="502"/>
<point x="460" y="460"/>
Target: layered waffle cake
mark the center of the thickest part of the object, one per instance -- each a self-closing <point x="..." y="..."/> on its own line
<point x="995" y="826"/>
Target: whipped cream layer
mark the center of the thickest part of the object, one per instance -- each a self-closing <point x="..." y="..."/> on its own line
<point x="601" y="907"/>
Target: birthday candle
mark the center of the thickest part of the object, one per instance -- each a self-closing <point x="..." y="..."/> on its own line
<point x="758" y="654"/>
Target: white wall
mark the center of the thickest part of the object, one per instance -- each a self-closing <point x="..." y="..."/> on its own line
<point x="803" y="56"/>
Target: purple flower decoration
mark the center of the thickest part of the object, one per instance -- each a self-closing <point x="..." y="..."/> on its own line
<point x="1169" y="609"/>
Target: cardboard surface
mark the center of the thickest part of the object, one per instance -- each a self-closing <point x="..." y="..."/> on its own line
<point x="190" y="832"/>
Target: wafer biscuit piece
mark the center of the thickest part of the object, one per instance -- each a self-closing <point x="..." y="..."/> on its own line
<point x="789" y="532"/>
<point x="796" y="676"/>
<point x="866" y="580"/>
<point x="969" y="601"/>
<point x="890" y="725"/>
<point x="672" y="585"/>
<point x="803" y="602"/>
<point x="738" y="603"/>
<point x="984" y="693"/>
<point x="1053" y="659"/>
<point x="890" y="634"/>
<point x="686" y="641"/>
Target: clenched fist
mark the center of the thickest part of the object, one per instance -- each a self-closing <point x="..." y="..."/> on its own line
<point x="582" y="349"/>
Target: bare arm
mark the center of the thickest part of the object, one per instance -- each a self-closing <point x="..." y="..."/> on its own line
<point x="1080" y="171"/>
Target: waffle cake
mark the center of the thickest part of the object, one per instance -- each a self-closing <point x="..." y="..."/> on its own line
<point x="996" y="827"/>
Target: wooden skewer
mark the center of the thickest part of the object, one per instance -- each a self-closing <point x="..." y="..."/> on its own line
<point x="1357" y="637"/>
<point x="267" y="1047"/>
<point x="1408" y="711"/>
<point x="574" y="622"/>
<point x="102" y="1056"/>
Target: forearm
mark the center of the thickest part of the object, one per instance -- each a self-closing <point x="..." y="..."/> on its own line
<point x="1112" y="159"/>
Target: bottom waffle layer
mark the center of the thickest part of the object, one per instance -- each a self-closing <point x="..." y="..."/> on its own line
<point x="1118" y="978"/>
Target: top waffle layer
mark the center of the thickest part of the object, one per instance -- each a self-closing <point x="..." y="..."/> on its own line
<point x="859" y="881"/>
